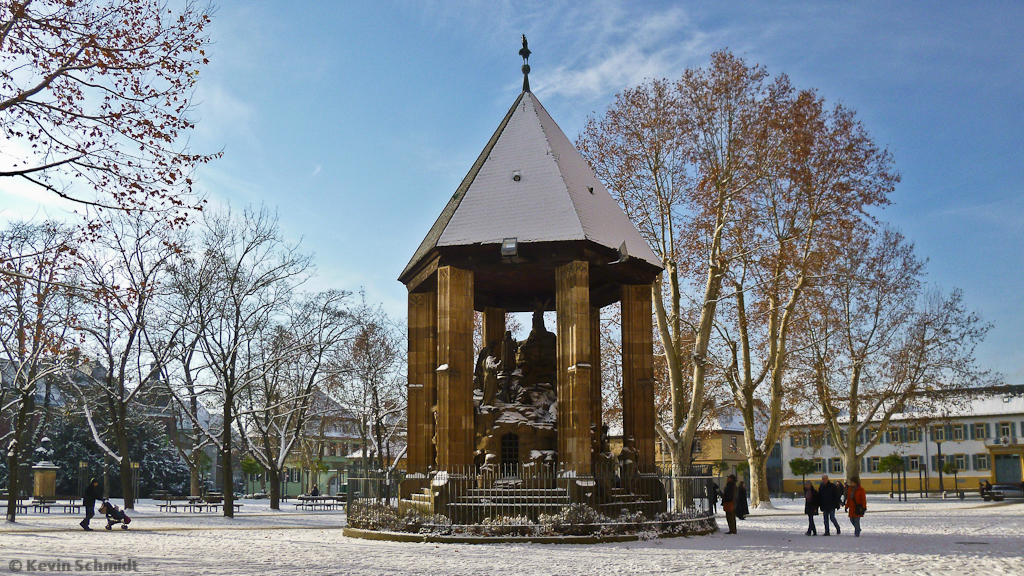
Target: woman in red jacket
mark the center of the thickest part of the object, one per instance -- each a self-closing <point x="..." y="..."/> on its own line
<point x="856" y="503"/>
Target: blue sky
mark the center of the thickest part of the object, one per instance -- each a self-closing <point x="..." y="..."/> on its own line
<point x="357" y="120"/>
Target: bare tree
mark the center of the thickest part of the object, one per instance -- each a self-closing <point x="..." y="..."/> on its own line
<point x="821" y="173"/>
<point x="125" y="276"/>
<point x="248" y="277"/>
<point x="275" y="411"/>
<point x="371" y="386"/>
<point x="880" y="342"/>
<point x="36" y="341"/>
<point x="185" y="373"/>
<point x="95" y="98"/>
<point x="679" y="157"/>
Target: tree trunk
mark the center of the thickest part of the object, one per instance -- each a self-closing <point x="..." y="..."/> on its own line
<point x="127" y="486"/>
<point x="275" y="489"/>
<point x="193" y="472"/>
<point x="850" y="460"/>
<point x="12" y="485"/>
<point x="759" y="493"/>
<point x="681" y="489"/>
<point x="14" y="461"/>
<point x="227" y="479"/>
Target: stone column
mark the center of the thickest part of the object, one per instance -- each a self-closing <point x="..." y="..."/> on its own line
<point x="422" y="380"/>
<point x="638" y="374"/>
<point x="455" y="428"/>
<point x="494" y="325"/>
<point x="572" y="305"/>
<point x="595" y="372"/>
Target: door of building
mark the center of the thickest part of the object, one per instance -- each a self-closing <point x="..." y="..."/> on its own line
<point x="510" y="454"/>
<point x="1007" y="468"/>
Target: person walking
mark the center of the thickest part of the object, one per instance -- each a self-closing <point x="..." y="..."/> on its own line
<point x="829" y="498"/>
<point x="713" y="495"/>
<point x="742" y="511"/>
<point x="810" y="507"/>
<point x="89" y="497"/>
<point x="856" y="503"/>
<point x="729" y="503"/>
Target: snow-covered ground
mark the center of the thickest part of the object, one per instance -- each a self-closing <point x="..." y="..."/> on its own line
<point x="919" y="537"/>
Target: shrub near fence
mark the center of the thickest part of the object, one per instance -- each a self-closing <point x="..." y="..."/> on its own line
<point x="525" y="502"/>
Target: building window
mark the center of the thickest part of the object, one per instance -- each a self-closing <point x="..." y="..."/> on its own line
<point x="894" y="435"/>
<point x="819" y="466"/>
<point x="959" y="432"/>
<point x="982" y="462"/>
<point x="915" y="463"/>
<point x="873" y="464"/>
<point x="979" y="431"/>
<point x="799" y="440"/>
<point x="961" y="462"/>
<point x="1004" y="429"/>
<point x="696" y="448"/>
<point x="837" y="465"/>
<point x="913" y="434"/>
<point x="939" y="433"/>
<point x="732" y="443"/>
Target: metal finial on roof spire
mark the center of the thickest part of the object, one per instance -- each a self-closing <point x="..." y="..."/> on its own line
<point x="525" y="53"/>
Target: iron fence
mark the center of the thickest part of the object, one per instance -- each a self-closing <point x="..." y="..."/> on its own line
<point x="527" y="500"/>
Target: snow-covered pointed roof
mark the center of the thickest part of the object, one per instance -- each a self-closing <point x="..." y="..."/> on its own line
<point x="531" y="183"/>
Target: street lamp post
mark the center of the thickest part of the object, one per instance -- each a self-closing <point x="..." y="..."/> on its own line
<point x="83" y="472"/>
<point x="135" y="480"/>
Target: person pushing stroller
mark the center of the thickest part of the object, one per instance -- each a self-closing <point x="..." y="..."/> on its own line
<point x="114" y="516"/>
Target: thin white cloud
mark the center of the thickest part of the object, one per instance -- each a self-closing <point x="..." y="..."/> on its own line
<point x="316" y="170"/>
<point x="621" y="50"/>
<point x="219" y="113"/>
<point x="1005" y="212"/>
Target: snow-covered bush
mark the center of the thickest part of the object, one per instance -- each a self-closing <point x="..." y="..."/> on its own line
<point x="626" y="523"/>
<point x="375" y="516"/>
<point x="416" y="522"/>
<point x="573" y="520"/>
<point x="505" y="526"/>
<point x="683" y="524"/>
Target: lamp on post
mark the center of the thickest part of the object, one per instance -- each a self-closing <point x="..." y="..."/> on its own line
<point x="83" y="473"/>
<point x="135" y="480"/>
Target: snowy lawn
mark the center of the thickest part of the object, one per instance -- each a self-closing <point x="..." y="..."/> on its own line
<point x="919" y="537"/>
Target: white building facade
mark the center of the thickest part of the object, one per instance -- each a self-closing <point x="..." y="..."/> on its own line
<point x="985" y="441"/>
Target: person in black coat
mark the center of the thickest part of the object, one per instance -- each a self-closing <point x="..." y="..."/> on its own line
<point x="89" y="497"/>
<point x="742" y="510"/>
<point x="810" y="507"/>
<point x="729" y="503"/>
<point x="830" y="500"/>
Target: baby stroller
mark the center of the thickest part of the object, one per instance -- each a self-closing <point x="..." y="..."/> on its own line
<point x="115" y="516"/>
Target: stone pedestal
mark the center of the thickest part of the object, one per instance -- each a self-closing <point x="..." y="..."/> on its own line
<point x="45" y="484"/>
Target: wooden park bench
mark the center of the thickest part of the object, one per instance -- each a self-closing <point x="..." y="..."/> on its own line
<point x="214" y="507"/>
<point x="312" y="502"/>
<point x="72" y="507"/>
<point x="170" y="505"/>
<point x="19" y="507"/>
<point x="42" y="504"/>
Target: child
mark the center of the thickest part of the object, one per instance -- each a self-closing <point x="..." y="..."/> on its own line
<point x="115" y="516"/>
